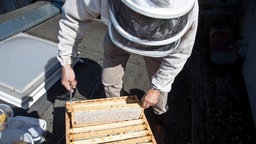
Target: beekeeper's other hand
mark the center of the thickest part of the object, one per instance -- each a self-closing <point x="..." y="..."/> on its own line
<point x="150" y="98"/>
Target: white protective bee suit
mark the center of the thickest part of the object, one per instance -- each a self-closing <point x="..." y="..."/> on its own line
<point x="163" y="31"/>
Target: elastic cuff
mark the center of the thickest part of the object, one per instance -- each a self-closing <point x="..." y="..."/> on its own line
<point x="155" y="88"/>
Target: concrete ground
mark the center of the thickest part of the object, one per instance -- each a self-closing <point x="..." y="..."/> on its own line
<point x="208" y="103"/>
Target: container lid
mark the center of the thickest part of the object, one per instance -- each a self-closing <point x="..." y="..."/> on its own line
<point x="26" y="62"/>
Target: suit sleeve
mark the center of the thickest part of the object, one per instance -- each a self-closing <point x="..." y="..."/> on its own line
<point x="73" y="25"/>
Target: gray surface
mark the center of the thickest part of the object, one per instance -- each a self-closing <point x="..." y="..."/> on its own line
<point x="249" y="66"/>
<point x="28" y="20"/>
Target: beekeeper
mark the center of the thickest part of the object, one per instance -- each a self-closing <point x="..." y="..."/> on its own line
<point x="162" y="31"/>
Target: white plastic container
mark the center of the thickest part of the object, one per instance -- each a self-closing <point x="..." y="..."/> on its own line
<point x="10" y="136"/>
<point x="36" y="128"/>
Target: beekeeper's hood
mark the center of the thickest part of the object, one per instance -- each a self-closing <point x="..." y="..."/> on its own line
<point x="149" y="27"/>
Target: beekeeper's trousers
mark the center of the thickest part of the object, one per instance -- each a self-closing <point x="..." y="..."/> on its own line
<point x="114" y="63"/>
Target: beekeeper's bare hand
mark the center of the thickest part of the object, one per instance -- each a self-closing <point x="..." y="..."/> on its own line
<point x="150" y="98"/>
<point x="68" y="79"/>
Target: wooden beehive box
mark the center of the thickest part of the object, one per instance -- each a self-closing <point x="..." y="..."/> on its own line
<point x="107" y="120"/>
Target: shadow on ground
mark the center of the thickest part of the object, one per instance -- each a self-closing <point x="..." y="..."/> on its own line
<point x="88" y="74"/>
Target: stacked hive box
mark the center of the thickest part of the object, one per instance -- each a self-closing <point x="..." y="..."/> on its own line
<point x="109" y="120"/>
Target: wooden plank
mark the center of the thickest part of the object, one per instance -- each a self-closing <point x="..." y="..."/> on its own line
<point x="148" y="128"/>
<point x="67" y="123"/>
<point x="107" y="101"/>
<point x="112" y="138"/>
<point x="103" y="107"/>
<point x="107" y="132"/>
<point x="106" y="126"/>
<point x="141" y="140"/>
<point x="101" y="102"/>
